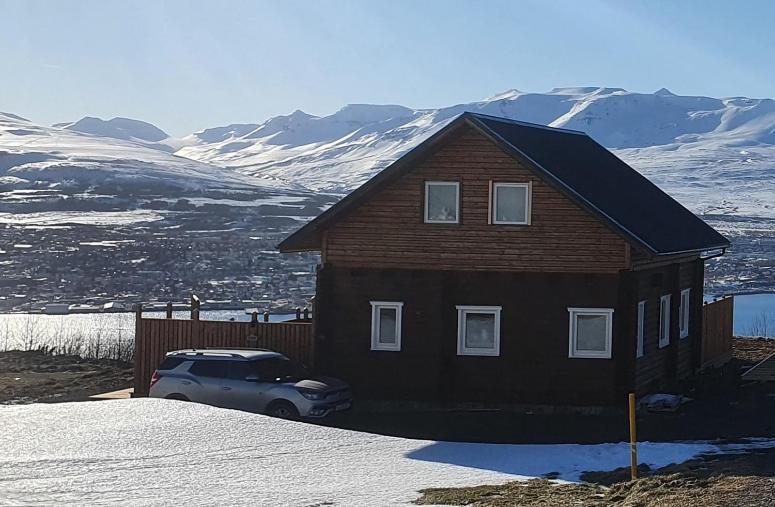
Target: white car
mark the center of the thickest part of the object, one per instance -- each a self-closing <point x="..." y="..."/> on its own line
<point x="253" y="380"/>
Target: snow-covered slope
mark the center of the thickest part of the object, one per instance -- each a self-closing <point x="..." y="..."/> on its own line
<point x="164" y="452"/>
<point x="122" y="128"/>
<point x="31" y="155"/>
<point x="714" y="155"/>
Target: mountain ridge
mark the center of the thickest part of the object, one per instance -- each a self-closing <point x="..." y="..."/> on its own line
<point x="691" y="146"/>
<point x="715" y="155"/>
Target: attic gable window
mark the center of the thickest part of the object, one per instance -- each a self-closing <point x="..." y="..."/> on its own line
<point x="442" y="202"/>
<point x="510" y="203"/>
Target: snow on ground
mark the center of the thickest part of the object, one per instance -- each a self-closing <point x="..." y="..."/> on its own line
<point x="80" y="217"/>
<point x="151" y="452"/>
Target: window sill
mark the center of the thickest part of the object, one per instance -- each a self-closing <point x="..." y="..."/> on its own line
<point x="489" y="353"/>
<point x="589" y="356"/>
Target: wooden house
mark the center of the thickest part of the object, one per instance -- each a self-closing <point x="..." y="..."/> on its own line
<point x="507" y="262"/>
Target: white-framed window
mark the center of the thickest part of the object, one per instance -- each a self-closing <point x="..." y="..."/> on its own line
<point x="590" y="332"/>
<point x="386" y="325"/>
<point x="442" y="202"/>
<point x="510" y="203"/>
<point x="641" y="325"/>
<point x="478" y="330"/>
<point x="664" y="321"/>
<point x="683" y="313"/>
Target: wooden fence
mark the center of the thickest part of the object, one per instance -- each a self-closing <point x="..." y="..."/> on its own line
<point x="717" y="332"/>
<point x="155" y="337"/>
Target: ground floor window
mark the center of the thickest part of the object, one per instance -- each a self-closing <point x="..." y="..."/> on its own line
<point x="478" y="330"/>
<point x="590" y="332"/>
<point x="641" y="328"/>
<point x="664" y="321"/>
<point x="386" y="325"/>
<point x="683" y="313"/>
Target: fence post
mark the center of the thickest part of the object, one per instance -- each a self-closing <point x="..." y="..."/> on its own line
<point x="139" y="356"/>
<point x="254" y="319"/>
<point x="169" y="309"/>
<point x="194" y="307"/>
<point x="298" y="313"/>
<point x="266" y="316"/>
<point x="633" y="438"/>
<point x="306" y="313"/>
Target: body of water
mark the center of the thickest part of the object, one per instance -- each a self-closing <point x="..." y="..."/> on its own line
<point x="755" y="315"/>
<point x="102" y="335"/>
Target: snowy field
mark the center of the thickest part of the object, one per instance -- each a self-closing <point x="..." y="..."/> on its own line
<point x="155" y="452"/>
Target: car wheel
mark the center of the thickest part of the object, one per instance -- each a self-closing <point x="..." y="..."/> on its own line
<point x="282" y="410"/>
<point x="176" y="396"/>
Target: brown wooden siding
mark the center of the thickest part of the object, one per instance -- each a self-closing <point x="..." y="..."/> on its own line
<point x="155" y="337"/>
<point x="533" y="367"/>
<point x="660" y="366"/>
<point x="388" y="231"/>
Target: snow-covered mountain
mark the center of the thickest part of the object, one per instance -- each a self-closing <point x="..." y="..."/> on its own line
<point x="125" y="129"/>
<point x="716" y="155"/>
<point x="89" y="153"/>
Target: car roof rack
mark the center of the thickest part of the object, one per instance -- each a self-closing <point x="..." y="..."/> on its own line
<point x="215" y="352"/>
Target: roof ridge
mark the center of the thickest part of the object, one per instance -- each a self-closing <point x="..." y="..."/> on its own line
<point x="523" y="123"/>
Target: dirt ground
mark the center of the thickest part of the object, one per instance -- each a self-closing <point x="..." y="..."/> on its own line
<point x="711" y="481"/>
<point x="35" y="377"/>
<point x="656" y="491"/>
<point x="753" y="350"/>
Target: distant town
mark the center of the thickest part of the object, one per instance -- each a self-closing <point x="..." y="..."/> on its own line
<point x="227" y="261"/>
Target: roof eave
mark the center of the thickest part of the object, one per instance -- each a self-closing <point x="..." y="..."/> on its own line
<point x="696" y="250"/>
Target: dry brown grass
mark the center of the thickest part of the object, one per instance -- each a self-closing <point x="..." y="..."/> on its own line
<point x="33" y="376"/>
<point x="752" y="350"/>
<point x="674" y="490"/>
<point x="736" y="480"/>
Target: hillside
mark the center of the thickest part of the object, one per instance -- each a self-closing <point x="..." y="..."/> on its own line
<point x="715" y="155"/>
<point x="80" y="157"/>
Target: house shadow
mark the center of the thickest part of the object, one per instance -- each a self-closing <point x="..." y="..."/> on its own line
<point x="560" y="461"/>
<point x="570" y="461"/>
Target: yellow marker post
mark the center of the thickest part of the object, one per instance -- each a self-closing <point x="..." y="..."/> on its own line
<point x="633" y="440"/>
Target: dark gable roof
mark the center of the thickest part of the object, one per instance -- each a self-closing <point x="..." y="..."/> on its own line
<point x="572" y="162"/>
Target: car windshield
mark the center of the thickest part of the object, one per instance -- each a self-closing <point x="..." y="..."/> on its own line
<point x="279" y="369"/>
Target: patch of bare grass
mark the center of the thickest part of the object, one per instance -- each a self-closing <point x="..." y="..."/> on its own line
<point x="710" y="481"/>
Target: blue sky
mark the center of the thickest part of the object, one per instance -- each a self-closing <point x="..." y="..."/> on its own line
<point x="187" y="65"/>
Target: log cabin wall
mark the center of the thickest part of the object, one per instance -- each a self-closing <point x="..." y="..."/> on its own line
<point x="660" y="366"/>
<point x="388" y="231"/>
<point x="533" y="366"/>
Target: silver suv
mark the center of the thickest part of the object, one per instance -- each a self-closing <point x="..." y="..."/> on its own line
<point x="254" y="380"/>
